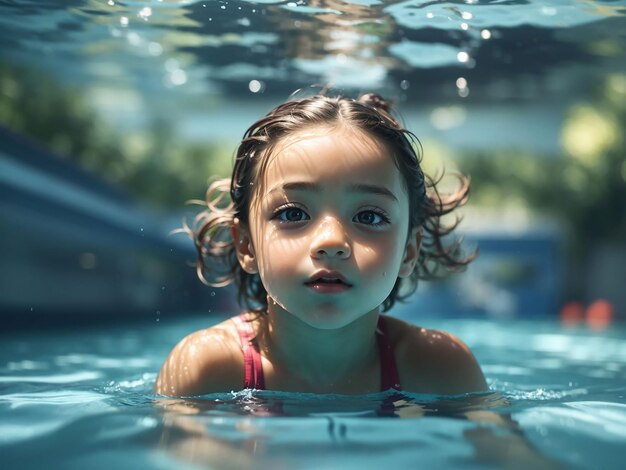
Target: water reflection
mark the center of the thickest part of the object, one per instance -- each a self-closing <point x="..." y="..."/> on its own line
<point x="220" y="46"/>
<point x="339" y="428"/>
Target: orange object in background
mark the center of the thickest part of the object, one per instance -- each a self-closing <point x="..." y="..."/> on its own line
<point x="572" y="313"/>
<point x="599" y="314"/>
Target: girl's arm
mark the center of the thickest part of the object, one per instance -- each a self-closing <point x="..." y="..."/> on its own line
<point x="204" y="362"/>
<point x="448" y="367"/>
<point x="499" y="440"/>
<point x="438" y="363"/>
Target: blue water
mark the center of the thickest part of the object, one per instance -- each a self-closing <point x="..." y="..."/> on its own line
<point x="473" y="74"/>
<point x="83" y="399"/>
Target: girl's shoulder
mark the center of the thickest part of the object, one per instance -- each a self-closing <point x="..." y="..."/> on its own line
<point x="206" y="361"/>
<point x="433" y="361"/>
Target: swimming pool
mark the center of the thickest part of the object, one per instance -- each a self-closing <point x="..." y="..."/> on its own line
<point x="83" y="399"/>
<point x="469" y="76"/>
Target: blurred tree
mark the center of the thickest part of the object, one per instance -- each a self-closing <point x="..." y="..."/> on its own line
<point x="155" y="165"/>
<point x="584" y="188"/>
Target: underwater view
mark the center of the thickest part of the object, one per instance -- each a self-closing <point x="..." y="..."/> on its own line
<point x="117" y="116"/>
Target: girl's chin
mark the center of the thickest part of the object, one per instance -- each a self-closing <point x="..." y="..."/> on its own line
<point x="328" y="320"/>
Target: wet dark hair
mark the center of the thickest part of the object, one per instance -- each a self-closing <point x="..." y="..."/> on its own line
<point x="217" y="264"/>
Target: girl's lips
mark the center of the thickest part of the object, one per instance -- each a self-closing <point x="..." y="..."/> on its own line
<point x="328" y="288"/>
<point x="327" y="275"/>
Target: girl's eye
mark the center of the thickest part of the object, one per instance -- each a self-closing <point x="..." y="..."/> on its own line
<point x="370" y="217"/>
<point x="293" y="214"/>
<point x="290" y="214"/>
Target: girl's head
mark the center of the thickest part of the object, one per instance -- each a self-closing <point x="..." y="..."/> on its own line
<point x="366" y="209"/>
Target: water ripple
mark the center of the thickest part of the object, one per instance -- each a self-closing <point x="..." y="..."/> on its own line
<point x="53" y="379"/>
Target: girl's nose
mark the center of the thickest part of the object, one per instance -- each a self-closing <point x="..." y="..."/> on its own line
<point x="331" y="240"/>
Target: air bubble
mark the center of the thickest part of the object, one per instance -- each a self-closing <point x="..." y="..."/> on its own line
<point x="255" y="86"/>
<point x="145" y="13"/>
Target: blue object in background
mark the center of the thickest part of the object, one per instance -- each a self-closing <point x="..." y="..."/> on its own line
<point x="75" y="249"/>
<point x="514" y="275"/>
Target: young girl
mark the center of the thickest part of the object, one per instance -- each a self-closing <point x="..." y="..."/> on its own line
<point x="331" y="220"/>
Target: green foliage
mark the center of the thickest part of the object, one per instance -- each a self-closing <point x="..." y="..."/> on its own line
<point x="585" y="187"/>
<point x="154" y="164"/>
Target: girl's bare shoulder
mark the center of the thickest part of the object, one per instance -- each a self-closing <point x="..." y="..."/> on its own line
<point x="433" y="361"/>
<point x="206" y="361"/>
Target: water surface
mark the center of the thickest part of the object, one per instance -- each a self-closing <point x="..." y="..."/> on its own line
<point x="84" y="399"/>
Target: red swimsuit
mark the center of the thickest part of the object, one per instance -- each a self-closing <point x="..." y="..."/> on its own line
<point x="254" y="369"/>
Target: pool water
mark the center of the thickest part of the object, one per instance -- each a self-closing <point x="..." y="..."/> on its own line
<point x="83" y="399"/>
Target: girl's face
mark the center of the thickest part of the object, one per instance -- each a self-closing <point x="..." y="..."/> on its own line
<point x="329" y="200"/>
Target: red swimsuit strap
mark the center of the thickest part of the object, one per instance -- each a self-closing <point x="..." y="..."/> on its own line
<point x="253" y="376"/>
<point x="389" y="377"/>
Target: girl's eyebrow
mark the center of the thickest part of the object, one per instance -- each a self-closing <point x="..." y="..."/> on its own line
<point x="353" y="188"/>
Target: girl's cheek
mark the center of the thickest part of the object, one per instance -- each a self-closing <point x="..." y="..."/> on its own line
<point x="382" y="254"/>
<point x="279" y="254"/>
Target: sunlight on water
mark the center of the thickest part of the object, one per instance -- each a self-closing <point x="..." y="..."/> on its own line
<point x="515" y="76"/>
<point x="178" y="45"/>
<point x="549" y="394"/>
<point x="41" y="413"/>
<point x="598" y="420"/>
<point x="56" y="379"/>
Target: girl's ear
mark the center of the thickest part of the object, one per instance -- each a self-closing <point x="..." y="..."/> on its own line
<point x="411" y="253"/>
<point x="243" y="247"/>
